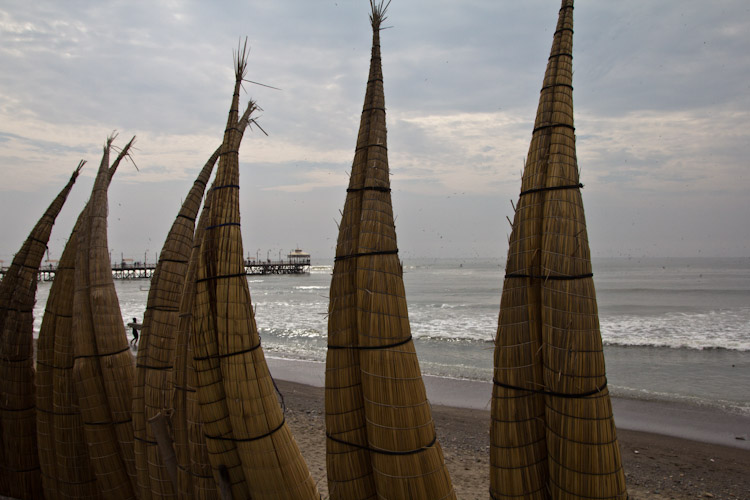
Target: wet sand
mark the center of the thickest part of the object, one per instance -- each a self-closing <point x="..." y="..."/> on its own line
<point x="669" y="451"/>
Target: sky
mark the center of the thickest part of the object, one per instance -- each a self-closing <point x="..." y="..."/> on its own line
<point x="662" y="103"/>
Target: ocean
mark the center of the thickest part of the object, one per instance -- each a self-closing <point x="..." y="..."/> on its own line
<point x="674" y="329"/>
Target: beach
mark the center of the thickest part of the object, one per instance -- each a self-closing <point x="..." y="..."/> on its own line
<point x="656" y="465"/>
<point x="676" y="336"/>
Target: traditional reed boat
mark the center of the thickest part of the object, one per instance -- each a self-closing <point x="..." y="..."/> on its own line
<point x="152" y="394"/>
<point x="63" y="451"/>
<point x="195" y="479"/>
<point x="552" y="433"/>
<point x="156" y="343"/>
<point x="19" y="461"/>
<point x="381" y="437"/>
<point x="103" y="366"/>
<point x="250" y="446"/>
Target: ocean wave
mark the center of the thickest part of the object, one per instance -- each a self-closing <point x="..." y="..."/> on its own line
<point x="720" y="329"/>
<point x="468" y="333"/>
<point x="657" y="345"/>
<point x="311" y="287"/>
<point x="293" y="333"/>
<point x="674" y="289"/>
<point x="447" y="305"/>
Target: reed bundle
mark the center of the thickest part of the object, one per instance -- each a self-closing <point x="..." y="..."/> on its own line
<point x="63" y="452"/>
<point x="19" y="460"/>
<point x="103" y="367"/>
<point x="195" y="479"/>
<point x="552" y="432"/>
<point x="381" y="437"/>
<point x="154" y="362"/>
<point x="249" y="443"/>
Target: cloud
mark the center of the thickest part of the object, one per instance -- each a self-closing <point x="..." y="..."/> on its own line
<point x="661" y="94"/>
<point x="311" y="180"/>
<point x="469" y="152"/>
<point x="665" y="152"/>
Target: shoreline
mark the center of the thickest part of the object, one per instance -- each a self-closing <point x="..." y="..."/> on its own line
<point x="670" y="419"/>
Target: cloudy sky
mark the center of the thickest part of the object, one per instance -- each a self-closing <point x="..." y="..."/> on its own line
<point x="662" y="100"/>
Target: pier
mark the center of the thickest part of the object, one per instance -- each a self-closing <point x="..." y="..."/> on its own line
<point x="297" y="262"/>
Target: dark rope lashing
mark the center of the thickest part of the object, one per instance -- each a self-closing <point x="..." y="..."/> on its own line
<point x="382" y="451"/>
<point x="553" y="393"/>
<point x="249" y="439"/>
<point x="222" y="225"/>
<point x="360" y="148"/>
<point x="229" y="152"/>
<point x="225" y="186"/>
<point x="228" y="355"/>
<point x="163" y="308"/>
<point x="28" y="408"/>
<point x="41" y="242"/>
<point x="560" y="54"/>
<point x="61" y="413"/>
<point x="365" y="254"/>
<point x="372" y="347"/>
<point x="555" y="85"/>
<point x="281" y="396"/>
<point x="381" y="189"/>
<point x="553" y="125"/>
<point x="101" y="355"/>
<point x="147" y="441"/>
<point x="551" y="188"/>
<point x="151" y="367"/>
<point x="119" y="422"/>
<point x="176" y="261"/>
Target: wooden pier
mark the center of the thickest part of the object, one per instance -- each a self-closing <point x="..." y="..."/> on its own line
<point x="294" y="264"/>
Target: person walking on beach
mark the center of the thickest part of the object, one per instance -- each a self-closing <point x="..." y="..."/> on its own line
<point x="135" y="327"/>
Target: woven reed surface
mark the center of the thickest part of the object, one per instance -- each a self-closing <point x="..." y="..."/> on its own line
<point x="243" y="422"/>
<point x="194" y="476"/>
<point x="349" y="468"/>
<point x="19" y="460"/>
<point x="103" y="366"/>
<point x="152" y="391"/>
<point x="375" y="396"/>
<point x="544" y="445"/>
<point x="195" y="479"/>
<point x="64" y="459"/>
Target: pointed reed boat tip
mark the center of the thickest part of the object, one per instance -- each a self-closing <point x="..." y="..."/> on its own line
<point x="110" y="139"/>
<point x="126" y="153"/>
<point x="130" y="143"/>
<point x="252" y="106"/>
<point x="240" y="60"/>
<point x="78" y="169"/>
<point x="377" y="14"/>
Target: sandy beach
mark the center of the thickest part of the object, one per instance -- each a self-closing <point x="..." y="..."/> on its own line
<point x="657" y="466"/>
<point x="669" y="451"/>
